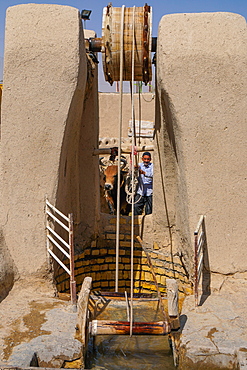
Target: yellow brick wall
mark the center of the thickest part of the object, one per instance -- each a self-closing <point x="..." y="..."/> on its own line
<point x="98" y="261"/>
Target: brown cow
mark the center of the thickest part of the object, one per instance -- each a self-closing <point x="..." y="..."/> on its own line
<point x="110" y="176"/>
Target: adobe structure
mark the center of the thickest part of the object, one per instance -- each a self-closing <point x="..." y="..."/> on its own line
<point x="52" y="119"/>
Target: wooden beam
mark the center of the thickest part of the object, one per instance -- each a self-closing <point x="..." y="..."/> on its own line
<point x="107" y="327"/>
<point x="125" y="150"/>
<point x="9" y="367"/>
<point x="119" y="295"/>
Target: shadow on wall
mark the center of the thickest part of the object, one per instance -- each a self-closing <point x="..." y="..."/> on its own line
<point x="172" y="180"/>
<point x="169" y="119"/>
<point x="165" y="158"/>
<point x="78" y="190"/>
<point x="7" y="270"/>
<point x="77" y="187"/>
<point x="1" y="86"/>
<point x="206" y="275"/>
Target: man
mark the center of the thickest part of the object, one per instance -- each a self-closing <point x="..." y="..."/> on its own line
<point x="144" y="195"/>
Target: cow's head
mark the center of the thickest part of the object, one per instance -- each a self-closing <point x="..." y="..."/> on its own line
<point x="110" y="177"/>
<point x="110" y="173"/>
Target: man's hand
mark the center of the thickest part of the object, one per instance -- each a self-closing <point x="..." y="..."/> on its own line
<point x="141" y="172"/>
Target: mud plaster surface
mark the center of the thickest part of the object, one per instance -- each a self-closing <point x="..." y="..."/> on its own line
<point x="33" y="320"/>
<point x="215" y="333"/>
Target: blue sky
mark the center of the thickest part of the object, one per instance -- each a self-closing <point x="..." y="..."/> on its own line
<point x="160" y="8"/>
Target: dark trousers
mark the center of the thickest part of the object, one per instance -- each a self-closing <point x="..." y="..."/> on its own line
<point x="141" y="202"/>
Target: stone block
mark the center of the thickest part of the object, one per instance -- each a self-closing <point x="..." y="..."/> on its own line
<point x="125" y="260"/>
<point x="95" y="252"/>
<point x="96" y="284"/>
<point x="104" y="267"/>
<point x="125" y="244"/>
<point x="109" y="259"/>
<point x="163" y="280"/>
<point x="156" y="246"/>
<point x="148" y="276"/>
<point x="145" y="268"/>
<point x="122" y="221"/>
<point x="81" y="270"/>
<point x="98" y="276"/>
<point x="137" y="220"/>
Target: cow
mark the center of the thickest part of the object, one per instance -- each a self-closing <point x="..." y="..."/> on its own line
<point x="110" y="178"/>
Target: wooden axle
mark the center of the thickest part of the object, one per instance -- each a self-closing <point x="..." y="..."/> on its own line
<point x="106" y="327"/>
<point x="125" y="150"/>
<point x="122" y="295"/>
<point x="95" y="44"/>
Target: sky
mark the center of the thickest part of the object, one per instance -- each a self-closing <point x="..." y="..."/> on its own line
<point x="159" y="8"/>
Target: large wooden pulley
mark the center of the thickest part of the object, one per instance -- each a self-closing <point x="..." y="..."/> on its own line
<point x="118" y="27"/>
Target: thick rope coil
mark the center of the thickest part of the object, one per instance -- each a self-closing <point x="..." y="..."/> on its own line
<point x="128" y="186"/>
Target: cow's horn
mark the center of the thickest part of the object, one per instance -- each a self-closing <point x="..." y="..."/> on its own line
<point x="123" y="162"/>
<point x="101" y="163"/>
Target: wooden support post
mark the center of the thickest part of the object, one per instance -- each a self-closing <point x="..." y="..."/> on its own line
<point x="106" y="327"/>
<point x="127" y="305"/>
<point x="172" y="297"/>
<point x="82" y="324"/>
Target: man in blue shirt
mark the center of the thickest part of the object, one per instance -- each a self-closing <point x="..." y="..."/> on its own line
<point x="144" y="195"/>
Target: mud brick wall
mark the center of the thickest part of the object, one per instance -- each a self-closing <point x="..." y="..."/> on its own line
<point x="98" y="261"/>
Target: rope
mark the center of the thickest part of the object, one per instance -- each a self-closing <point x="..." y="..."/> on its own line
<point x="140" y="115"/>
<point x="128" y="187"/>
<point x="119" y="145"/>
<point x="148" y="101"/>
<point x="132" y="176"/>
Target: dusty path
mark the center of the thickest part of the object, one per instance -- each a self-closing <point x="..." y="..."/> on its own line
<point x="33" y="320"/>
<point x="216" y="332"/>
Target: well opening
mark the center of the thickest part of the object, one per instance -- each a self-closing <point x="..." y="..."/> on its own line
<point x="98" y="261"/>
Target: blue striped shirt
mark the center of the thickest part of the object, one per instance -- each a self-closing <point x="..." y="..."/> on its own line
<point x="145" y="186"/>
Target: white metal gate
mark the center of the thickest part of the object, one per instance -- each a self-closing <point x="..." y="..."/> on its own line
<point x="55" y="242"/>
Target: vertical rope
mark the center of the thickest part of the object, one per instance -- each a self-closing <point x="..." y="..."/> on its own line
<point x="140" y="112"/>
<point x="132" y="175"/>
<point x="119" y="145"/>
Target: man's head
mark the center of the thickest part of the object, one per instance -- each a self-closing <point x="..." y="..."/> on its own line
<point x="146" y="158"/>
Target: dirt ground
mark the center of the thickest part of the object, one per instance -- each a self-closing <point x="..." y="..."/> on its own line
<point x="32" y="318"/>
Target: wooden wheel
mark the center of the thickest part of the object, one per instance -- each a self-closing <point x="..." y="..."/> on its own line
<point x="111" y="34"/>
